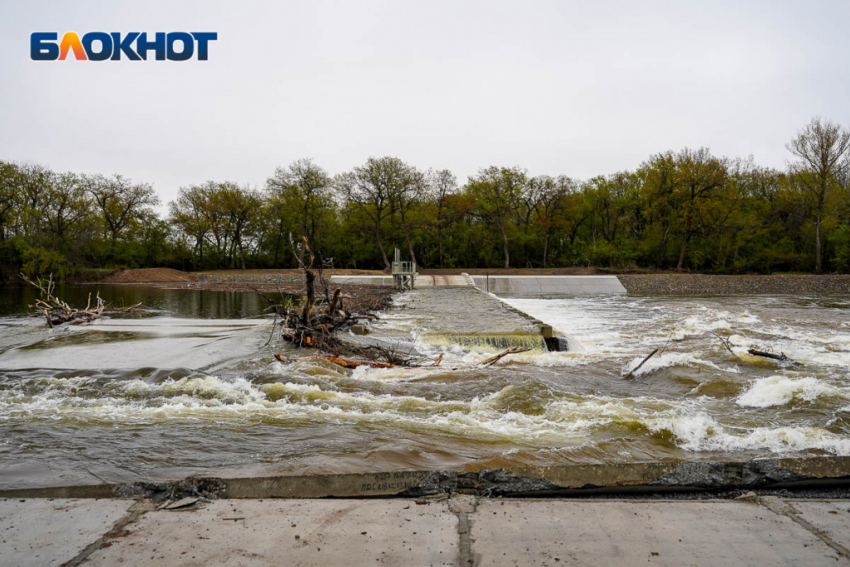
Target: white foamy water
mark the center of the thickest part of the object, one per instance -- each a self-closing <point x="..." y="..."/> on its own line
<point x="780" y="390"/>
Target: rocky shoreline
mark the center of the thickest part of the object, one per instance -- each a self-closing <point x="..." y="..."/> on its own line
<point x="701" y="284"/>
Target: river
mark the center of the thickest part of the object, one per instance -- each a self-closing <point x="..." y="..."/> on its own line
<point x="190" y="387"/>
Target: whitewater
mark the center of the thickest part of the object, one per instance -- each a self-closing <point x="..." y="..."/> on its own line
<point x="192" y="387"/>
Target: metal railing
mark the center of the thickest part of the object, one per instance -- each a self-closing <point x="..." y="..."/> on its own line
<point x="404" y="268"/>
<point x="404" y="275"/>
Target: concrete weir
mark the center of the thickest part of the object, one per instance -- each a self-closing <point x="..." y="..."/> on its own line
<point x="550" y="285"/>
<point x="506" y="285"/>
<point x="453" y="310"/>
<point x="458" y="315"/>
<point x="463" y="310"/>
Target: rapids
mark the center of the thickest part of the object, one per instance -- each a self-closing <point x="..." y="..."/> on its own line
<point x="190" y="387"/>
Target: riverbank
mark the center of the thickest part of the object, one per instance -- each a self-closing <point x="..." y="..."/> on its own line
<point x="291" y="281"/>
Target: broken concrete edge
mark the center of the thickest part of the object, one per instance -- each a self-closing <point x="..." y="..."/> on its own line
<point x="553" y="342"/>
<point x="575" y="480"/>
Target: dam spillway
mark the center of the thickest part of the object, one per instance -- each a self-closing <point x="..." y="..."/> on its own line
<point x="463" y="316"/>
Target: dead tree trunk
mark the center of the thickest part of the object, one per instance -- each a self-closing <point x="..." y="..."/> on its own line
<point x="311" y="298"/>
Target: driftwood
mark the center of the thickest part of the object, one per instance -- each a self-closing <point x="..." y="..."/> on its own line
<point x="780" y="357"/>
<point x="308" y="324"/>
<point x="642" y="362"/>
<point x="344" y="362"/>
<point x="726" y="344"/>
<point x="334" y="302"/>
<point x="349" y="363"/>
<point x="494" y="359"/>
<point x="56" y="311"/>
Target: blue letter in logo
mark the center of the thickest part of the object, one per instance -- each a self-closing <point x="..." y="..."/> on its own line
<point x="105" y="46"/>
<point x="158" y="44"/>
<point x="120" y="45"/>
<point x="203" y="42"/>
<point x="188" y="46"/>
<point x="43" y="46"/>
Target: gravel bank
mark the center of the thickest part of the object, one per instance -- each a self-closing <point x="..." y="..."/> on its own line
<point x="698" y="284"/>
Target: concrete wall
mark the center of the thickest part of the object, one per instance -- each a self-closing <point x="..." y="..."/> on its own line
<point x="560" y="285"/>
<point x="363" y="280"/>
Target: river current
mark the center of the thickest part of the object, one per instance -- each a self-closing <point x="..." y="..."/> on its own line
<point x="190" y="387"/>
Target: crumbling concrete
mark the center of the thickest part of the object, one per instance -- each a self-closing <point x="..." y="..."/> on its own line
<point x="657" y="477"/>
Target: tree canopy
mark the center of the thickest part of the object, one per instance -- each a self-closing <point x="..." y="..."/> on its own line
<point x="679" y="210"/>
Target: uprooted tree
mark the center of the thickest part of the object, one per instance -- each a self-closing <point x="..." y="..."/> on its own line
<point x="58" y="312"/>
<point x="316" y="321"/>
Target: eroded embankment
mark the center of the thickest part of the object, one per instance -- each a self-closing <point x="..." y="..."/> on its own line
<point x="701" y="284"/>
<point x="575" y="480"/>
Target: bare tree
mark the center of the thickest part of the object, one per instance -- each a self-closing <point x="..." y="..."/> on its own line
<point x="822" y="150"/>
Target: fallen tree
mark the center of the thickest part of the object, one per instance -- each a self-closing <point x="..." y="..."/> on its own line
<point x="58" y="312"/>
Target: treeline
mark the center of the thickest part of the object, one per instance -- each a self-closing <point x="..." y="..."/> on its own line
<point x="687" y="210"/>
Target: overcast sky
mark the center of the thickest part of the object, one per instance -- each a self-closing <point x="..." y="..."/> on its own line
<point x="576" y="88"/>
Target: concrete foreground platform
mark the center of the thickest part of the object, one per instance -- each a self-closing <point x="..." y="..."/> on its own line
<point x="461" y="530"/>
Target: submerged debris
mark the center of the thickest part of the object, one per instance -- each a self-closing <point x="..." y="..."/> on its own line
<point x="642" y="362"/>
<point x="780" y="357"/>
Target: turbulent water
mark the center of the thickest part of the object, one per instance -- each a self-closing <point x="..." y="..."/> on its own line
<point x="189" y="387"/>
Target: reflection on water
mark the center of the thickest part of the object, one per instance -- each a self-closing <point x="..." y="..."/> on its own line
<point x="192" y="389"/>
<point x="176" y="302"/>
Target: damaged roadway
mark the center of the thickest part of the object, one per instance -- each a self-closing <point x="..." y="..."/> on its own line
<point x="759" y="512"/>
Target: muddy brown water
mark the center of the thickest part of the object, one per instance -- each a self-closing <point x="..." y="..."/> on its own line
<point x="189" y="387"/>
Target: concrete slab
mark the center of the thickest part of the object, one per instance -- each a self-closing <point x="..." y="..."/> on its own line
<point x="710" y="533"/>
<point x="421" y="281"/>
<point x="290" y="532"/>
<point x="831" y="517"/>
<point x="555" y="285"/>
<point x="363" y="280"/>
<point x="462" y="315"/>
<point x="52" y="532"/>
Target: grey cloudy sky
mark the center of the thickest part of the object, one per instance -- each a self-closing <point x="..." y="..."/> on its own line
<point x="558" y="87"/>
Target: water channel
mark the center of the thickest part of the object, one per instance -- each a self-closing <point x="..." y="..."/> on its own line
<point x="189" y="387"/>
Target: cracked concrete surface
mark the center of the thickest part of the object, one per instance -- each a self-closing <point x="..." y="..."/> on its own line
<point x="462" y="530"/>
